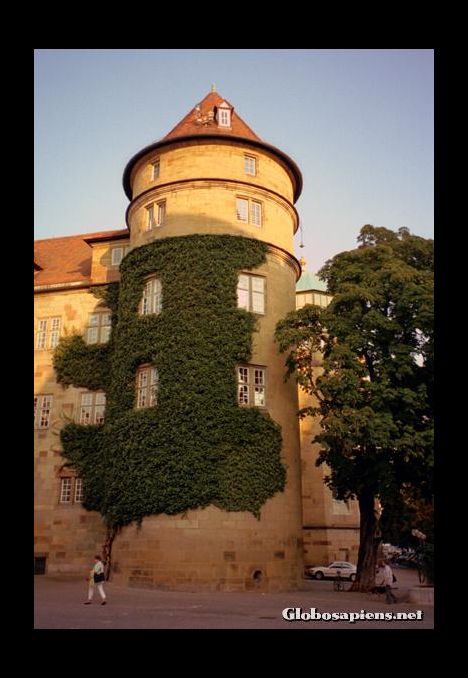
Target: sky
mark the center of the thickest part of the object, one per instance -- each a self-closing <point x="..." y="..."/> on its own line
<point x="358" y="123"/>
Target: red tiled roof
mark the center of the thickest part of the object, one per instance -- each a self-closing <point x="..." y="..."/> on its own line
<point x="188" y="129"/>
<point x="189" y="125"/>
<point x="68" y="259"/>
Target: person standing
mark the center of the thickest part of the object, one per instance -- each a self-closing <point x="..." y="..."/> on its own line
<point x="387" y="581"/>
<point x="97" y="578"/>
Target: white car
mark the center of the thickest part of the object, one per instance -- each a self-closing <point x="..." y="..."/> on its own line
<point x="346" y="570"/>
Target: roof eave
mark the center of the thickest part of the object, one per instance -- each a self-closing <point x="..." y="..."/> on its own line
<point x="294" y="169"/>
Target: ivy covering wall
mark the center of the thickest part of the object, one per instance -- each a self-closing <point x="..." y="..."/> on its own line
<point x="197" y="446"/>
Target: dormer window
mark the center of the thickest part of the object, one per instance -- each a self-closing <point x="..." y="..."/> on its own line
<point x="224" y="115"/>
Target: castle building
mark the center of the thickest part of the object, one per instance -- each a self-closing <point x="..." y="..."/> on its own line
<point x="176" y="392"/>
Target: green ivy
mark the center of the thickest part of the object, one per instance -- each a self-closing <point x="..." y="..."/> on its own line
<point x="197" y="446"/>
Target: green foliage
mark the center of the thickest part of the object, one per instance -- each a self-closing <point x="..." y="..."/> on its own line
<point x="197" y="446"/>
<point x="375" y="392"/>
<point x="79" y="364"/>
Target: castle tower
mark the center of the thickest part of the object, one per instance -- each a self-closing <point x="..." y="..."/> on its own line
<point x="179" y="426"/>
<point x="213" y="176"/>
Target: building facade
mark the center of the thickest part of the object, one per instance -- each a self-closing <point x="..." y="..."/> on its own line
<point x="210" y="184"/>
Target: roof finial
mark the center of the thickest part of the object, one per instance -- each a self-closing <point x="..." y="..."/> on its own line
<point x="303" y="263"/>
<point x="213" y="87"/>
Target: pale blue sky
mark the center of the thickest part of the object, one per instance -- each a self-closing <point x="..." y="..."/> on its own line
<point x="359" y="123"/>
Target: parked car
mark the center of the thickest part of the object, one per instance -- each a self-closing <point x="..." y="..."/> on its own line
<point x="346" y="570"/>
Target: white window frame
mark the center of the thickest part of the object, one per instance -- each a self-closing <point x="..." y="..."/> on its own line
<point x="78" y="491"/>
<point x="250" y="165"/>
<point x="251" y="293"/>
<point x="147" y="387"/>
<point x="242" y="210"/>
<point x="251" y="386"/>
<point x="156" y="220"/>
<point x="42" y="410"/>
<point x="156" y="168"/>
<point x="118" y="253"/>
<point x="71" y="490"/>
<point x="152" y="299"/>
<point x="92" y="408"/>
<point x="48" y="333"/>
<point x="98" y="330"/>
<point x="66" y="490"/>
<point x="224" y="116"/>
<point x="249" y="211"/>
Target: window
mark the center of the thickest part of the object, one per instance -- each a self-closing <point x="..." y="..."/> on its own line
<point x="92" y="408"/>
<point x="78" y="490"/>
<point x="155" y="165"/>
<point x="256" y="213"/>
<point x="250" y="165"/>
<point x="251" y="385"/>
<point x="65" y="490"/>
<point x="251" y="293"/>
<point x="48" y="333"/>
<point x="249" y="211"/>
<point x="42" y="409"/>
<point x="99" y="327"/>
<point x="147" y="386"/>
<point x="118" y="254"/>
<point x="156" y="215"/>
<point x="224" y="117"/>
<point x="242" y="210"/>
<point x="71" y="491"/>
<point x="152" y="297"/>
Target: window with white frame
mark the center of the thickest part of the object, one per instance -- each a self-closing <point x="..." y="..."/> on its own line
<point x="42" y="410"/>
<point x="152" y="297"/>
<point x="48" y="333"/>
<point x="156" y="166"/>
<point x="250" y="165"/>
<point x="251" y="293"/>
<point x="156" y="214"/>
<point x="118" y="253"/>
<point x="251" y="385"/>
<point x="249" y="211"/>
<point x="65" y="490"/>
<point x="224" y="116"/>
<point x="147" y="386"/>
<point x="92" y="408"/>
<point x="99" y="327"/>
<point x="256" y="213"/>
<point x="242" y="210"/>
<point x="71" y="490"/>
<point x="78" y="490"/>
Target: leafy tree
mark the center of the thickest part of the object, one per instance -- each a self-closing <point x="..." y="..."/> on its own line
<point x="367" y="360"/>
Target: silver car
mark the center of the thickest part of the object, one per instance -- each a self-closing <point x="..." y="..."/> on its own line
<point x="346" y="570"/>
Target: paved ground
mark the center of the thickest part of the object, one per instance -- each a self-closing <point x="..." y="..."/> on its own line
<point x="59" y="605"/>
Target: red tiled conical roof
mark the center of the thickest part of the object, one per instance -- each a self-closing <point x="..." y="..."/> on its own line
<point x="201" y="121"/>
<point x="193" y="121"/>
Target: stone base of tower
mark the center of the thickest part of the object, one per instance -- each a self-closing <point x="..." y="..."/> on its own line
<point x="209" y="550"/>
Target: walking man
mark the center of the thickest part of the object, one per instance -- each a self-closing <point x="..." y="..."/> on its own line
<point x="387" y="576"/>
<point x="96" y="578"/>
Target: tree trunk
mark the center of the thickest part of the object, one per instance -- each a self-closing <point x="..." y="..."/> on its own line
<point x="107" y="549"/>
<point x="368" y="543"/>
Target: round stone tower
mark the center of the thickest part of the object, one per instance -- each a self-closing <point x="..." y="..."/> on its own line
<point x="213" y="176"/>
